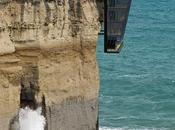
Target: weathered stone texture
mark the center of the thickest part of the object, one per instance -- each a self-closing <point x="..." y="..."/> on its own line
<point x="59" y="38"/>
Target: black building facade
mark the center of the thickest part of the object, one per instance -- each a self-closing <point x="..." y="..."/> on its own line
<point x="116" y="16"/>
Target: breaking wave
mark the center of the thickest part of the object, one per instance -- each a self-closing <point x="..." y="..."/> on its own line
<point x="31" y="119"/>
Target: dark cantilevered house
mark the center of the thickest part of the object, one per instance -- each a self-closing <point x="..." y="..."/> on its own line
<point x="116" y="16"/>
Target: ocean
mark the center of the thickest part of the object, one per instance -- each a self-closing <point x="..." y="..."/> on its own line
<point x="137" y="90"/>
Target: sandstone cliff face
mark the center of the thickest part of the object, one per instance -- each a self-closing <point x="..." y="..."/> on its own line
<point x="49" y="48"/>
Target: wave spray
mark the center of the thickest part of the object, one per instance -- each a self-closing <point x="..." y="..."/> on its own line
<point x="31" y="119"/>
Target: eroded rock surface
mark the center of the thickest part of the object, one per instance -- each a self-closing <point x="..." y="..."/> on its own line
<point x="58" y="37"/>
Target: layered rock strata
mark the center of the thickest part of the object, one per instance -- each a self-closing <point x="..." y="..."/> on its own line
<point x="48" y="51"/>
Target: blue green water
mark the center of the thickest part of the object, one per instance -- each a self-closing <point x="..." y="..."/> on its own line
<point x="138" y="85"/>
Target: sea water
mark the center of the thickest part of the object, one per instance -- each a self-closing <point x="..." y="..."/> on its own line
<point x="138" y="85"/>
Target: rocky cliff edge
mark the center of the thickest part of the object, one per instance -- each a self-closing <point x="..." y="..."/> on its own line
<point x="48" y="49"/>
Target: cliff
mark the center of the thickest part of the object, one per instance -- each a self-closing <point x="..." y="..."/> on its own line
<point x="48" y="58"/>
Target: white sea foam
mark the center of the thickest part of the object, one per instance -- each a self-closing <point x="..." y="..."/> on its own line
<point x="31" y="120"/>
<point x="107" y="128"/>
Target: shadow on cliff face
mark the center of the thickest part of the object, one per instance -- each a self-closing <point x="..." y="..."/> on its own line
<point x="29" y="87"/>
<point x="14" y="123"/>
<point x="75" y="16"/>
<point x="100" y="7"/>
<point x="73" y="113"/>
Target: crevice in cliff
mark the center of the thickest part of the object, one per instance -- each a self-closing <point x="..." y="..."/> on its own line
<point x="29" y="103"/>
<point x="64" y="19"/>
<point x="44" y="111"/>
<point x="22" y="11"/>
<point x="30" y="90"/>
<point x="75" y="17"/>
<point x="29" y="87"/>
<point x="48" y="11"/>
<point x="100" y="7"/>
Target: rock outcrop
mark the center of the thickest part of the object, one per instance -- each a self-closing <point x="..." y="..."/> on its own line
<point x="48" y="52"/>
